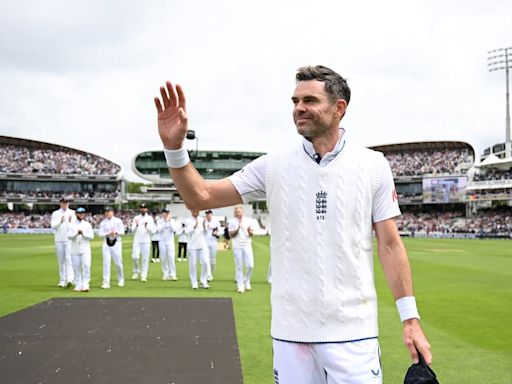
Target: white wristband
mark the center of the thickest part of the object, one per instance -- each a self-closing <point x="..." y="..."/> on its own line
<point x="407" y="308"/>
<point x="176" y="158"/>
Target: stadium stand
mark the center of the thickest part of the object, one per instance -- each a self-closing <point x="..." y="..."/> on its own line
<point x="493" y="174"/>
<point x="492" y="222"/>
<point x="40" y="173"/>
<point x="16" y="159"/>
<point x="428" y="158"/>
<point x="34" y="172"/>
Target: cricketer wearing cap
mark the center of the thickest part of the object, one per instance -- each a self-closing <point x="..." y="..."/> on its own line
<point x="212" y="236"/>
<point x="80" y="233"/>
<point x="142" y="227"/>
<point x="61" y="218"/>
<point x="167" y="228"/>
<point x="112" y="228"/>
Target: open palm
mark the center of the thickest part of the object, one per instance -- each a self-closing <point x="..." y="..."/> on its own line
<point x="172" y="116"/>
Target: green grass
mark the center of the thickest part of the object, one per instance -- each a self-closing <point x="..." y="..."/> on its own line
<point x="463" y="287"/>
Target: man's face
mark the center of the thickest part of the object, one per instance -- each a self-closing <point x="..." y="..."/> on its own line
<point x="80" y="215"/>
<point x="239" y="213"/>
<point x="194" y="212"/>
<point x="143" y="211"/>
<point x="165" y="215"/>
<point x="109" y="214"/>
<point x="64" y="205"/>
<point x="209" y="216"/>
<point x="313" y="112"/>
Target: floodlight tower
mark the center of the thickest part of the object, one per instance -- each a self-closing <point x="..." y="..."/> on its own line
<point x="499" y="59"/>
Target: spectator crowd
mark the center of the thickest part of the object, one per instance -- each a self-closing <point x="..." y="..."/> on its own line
<point x="491" y="174"/>
<point x="485" y="222"/>
<point x="428" y="162"/>
<point x="16" y="159"/>
<point x="488" y="222"/>
<point x="55" y="195"/>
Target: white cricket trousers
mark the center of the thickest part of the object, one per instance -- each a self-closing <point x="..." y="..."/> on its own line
<point x="63" y="250"/>
<point x="82" y="269"/>
<point x="356" y="362"/>
<point x="212" y="254"/>
<point x="113" y="254"/>
<point x="141" y="249"/>
<point x="167" y="259"/>
<point x="200" y="255"/>
<point x="243" y="258"/>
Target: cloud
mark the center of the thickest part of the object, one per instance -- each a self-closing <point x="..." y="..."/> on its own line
<point x="84" y="74"/>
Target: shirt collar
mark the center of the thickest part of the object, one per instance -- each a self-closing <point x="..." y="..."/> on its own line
<point x="329" y="156"/>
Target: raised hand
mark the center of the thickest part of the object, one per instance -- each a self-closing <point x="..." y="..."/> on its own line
<point x="172" y="116"/>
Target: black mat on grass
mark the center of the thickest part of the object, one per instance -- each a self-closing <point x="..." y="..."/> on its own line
<point x="121" y="340"/>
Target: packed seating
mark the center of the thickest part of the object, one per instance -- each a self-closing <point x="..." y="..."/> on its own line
<point x="25" y="220"/>
<point x="427" y="162"/>
<point x="16" y="159"/>
<point x="54" y="195"/>
<point x="493" y="174"/>
<point x="485" y="222"/>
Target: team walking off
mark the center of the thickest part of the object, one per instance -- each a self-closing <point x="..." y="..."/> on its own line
<point x="199" y="234"/>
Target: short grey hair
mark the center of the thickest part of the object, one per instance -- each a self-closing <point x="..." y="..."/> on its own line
<point x="336" y="86"/>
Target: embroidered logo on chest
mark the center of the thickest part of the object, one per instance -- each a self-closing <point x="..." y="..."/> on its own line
<point x="321" y="205"/>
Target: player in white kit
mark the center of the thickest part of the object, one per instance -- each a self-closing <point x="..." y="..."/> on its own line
<point x="155" y="241"/>
<point x="60" y="221"/>
<point x="80" y="233"/>
<point x="142" y="227"/>
<point x="212" y="236"/>
<point x="112" y="228"/>
<point x="325" y="196"/>
<point x="195" y="227"/>
<point x="167" y="227"/>
<point x="182" y="241"/>
<point x="240" y="232"/>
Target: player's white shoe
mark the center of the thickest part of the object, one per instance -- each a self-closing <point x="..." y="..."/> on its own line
<point x="248" y="286"/>
<point x="241" y="290"/>
<point x="105" y="286"/>
<point x="135" y="276"/>
<point x="120" y="283"/>
<point x="205" y="285"/>
<point x="144" y="279"/>
<point x="174" y="278"/>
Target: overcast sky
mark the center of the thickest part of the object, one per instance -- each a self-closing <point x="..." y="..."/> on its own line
<point x="84" y="73"/>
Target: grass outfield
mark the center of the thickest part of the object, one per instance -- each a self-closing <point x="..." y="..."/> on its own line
<point x="464" y="290"/>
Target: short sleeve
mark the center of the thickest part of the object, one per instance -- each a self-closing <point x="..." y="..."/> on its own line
<point x="250" y="180"/>
<point x="385" y="200"/>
